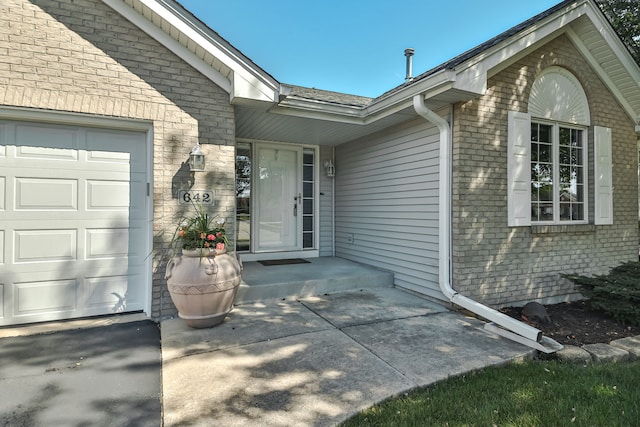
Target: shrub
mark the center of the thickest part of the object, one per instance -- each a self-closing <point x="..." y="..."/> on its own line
<point x="617" y="293"/>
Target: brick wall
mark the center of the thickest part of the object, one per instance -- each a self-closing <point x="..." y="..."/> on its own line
<point x="81" y="56"/>
<point x="498" y="264"/>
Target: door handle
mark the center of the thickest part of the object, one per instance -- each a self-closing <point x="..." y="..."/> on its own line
<point x="295" y="205"/>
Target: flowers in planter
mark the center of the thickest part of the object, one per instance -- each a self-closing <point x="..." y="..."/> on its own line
<point x="201" y="231"/>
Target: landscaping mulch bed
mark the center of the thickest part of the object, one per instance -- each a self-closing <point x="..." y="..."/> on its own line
<point x="573" y="323"/>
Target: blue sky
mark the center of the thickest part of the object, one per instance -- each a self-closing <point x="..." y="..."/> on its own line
<point x="357" y="46"/>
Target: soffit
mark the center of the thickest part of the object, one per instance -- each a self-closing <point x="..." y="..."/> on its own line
<point x="311" y="127"/>
<point x="611" y="60"/>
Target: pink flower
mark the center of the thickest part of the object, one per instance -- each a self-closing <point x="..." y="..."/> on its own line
<point x="219" y="234"/>
<point x="182" y="232"/>
<point x="211" y="237"/>
<point x="203" y="235"/>
<point x="207" y="244"/>
<point x="220" y="246"/>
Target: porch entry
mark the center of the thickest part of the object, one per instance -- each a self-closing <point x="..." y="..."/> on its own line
<point x="275" y="198"/>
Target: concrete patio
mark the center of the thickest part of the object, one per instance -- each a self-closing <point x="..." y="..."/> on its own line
<point x="316" y="360"/>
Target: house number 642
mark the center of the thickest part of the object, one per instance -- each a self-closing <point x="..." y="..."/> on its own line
<point x="199" y="197"/>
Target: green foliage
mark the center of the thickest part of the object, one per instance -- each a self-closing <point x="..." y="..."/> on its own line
<point x="624" y="16"/>
<point x="533" y="393"/>
<point x="617" y="293"/>
<point x="201" y="231"/>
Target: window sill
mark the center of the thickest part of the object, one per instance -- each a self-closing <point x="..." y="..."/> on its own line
<point x="558" y="229"/>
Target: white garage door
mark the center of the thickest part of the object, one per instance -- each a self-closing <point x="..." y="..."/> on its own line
<point x="72" y="222"/>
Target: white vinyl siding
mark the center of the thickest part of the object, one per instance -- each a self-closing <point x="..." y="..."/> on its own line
<point x="387" y="204"/>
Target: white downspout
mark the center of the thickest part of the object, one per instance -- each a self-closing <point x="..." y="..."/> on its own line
<point x="507" y="322"/>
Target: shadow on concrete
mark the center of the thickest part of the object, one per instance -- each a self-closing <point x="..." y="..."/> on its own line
<point x="108" y="375"/>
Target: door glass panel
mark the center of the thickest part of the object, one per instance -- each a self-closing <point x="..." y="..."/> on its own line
<point x="307" y="196"/>
<point x="277" y="193"/>
<point x="243" y="197"/>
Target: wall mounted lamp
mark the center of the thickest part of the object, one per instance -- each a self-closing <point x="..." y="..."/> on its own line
<point x="331" y="170"/>
<point x="196" y="158"/>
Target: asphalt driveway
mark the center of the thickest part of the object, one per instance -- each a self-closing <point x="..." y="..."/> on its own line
<point x="103" y="376"/>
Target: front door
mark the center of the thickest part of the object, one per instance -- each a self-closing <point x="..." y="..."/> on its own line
<point x="278" y="177"/>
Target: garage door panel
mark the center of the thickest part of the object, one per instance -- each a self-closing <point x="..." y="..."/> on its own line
<point x="44" y="245"/>
<point x="107" y="243"/>
<point x="30" y="152"/>
<point x="119" y="142"/>
<point x="45" y="296"/>
<point x="111" y="157"/>
<point x="111" y="293"/>
<point x="3" y="193"/>
<point x="107" y="195"/>
<point x="51" y="138"/>
<point x="2" y="243"/>
<point x="46" y="194"/>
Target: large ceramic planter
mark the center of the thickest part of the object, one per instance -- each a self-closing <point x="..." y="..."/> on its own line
<point x="203" y="285"/>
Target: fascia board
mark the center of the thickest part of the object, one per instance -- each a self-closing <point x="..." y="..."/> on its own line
<point x="472" y="75"/>
<point x="265" y="84"/>
<point x="264" y="87"/>
<point x="170" y="43"/>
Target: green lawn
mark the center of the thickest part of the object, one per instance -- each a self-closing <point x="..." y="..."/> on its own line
<point x="532" y="393"/>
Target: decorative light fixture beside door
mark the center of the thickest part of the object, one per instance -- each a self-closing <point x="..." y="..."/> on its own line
<point x="331" y="170"/>
<point x="196" y="158"/>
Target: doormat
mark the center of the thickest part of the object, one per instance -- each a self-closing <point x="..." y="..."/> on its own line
<point x="283" y="261"/>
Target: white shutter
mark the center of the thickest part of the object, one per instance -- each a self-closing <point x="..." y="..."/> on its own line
<point x="519" y="169"/>
<point x="603" y="176"/>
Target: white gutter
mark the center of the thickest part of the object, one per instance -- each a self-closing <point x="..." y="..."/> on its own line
<point x="523" y="330"/>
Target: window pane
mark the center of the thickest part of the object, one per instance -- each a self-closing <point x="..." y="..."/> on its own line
<point x="565" y="155"/>
<point x="534" y="132"/>
<point x="535" y="212"/>
<point x="565" y="175"/>
<point x="243" y="197"/>
<point x="307" y="240"/>
<point x="544" y="153"/>
<point x="579" y="193"/>
<point x="577" y="156"/>
<point x="307" y="158"/>
<point x="307" y="222"/>
<point x="307" y="190"/>
<point x="544" y="134"/>
<point x="307" y="207"/>
<point x="577" y="212"/>
<point x="546" y="212"/>
<point x="545" y="192"/>
<point x="308" y="173"/>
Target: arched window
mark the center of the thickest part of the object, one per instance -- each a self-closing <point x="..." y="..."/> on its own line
<point x="548" y="156"/>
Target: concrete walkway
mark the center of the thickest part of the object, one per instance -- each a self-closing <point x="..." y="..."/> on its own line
<point x="318" y="360"/>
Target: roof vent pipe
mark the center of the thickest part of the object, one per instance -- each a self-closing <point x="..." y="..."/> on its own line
<point x="408" y="52"/>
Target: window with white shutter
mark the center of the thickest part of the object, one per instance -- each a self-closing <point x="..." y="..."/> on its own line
<point x="548" y="157"/>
